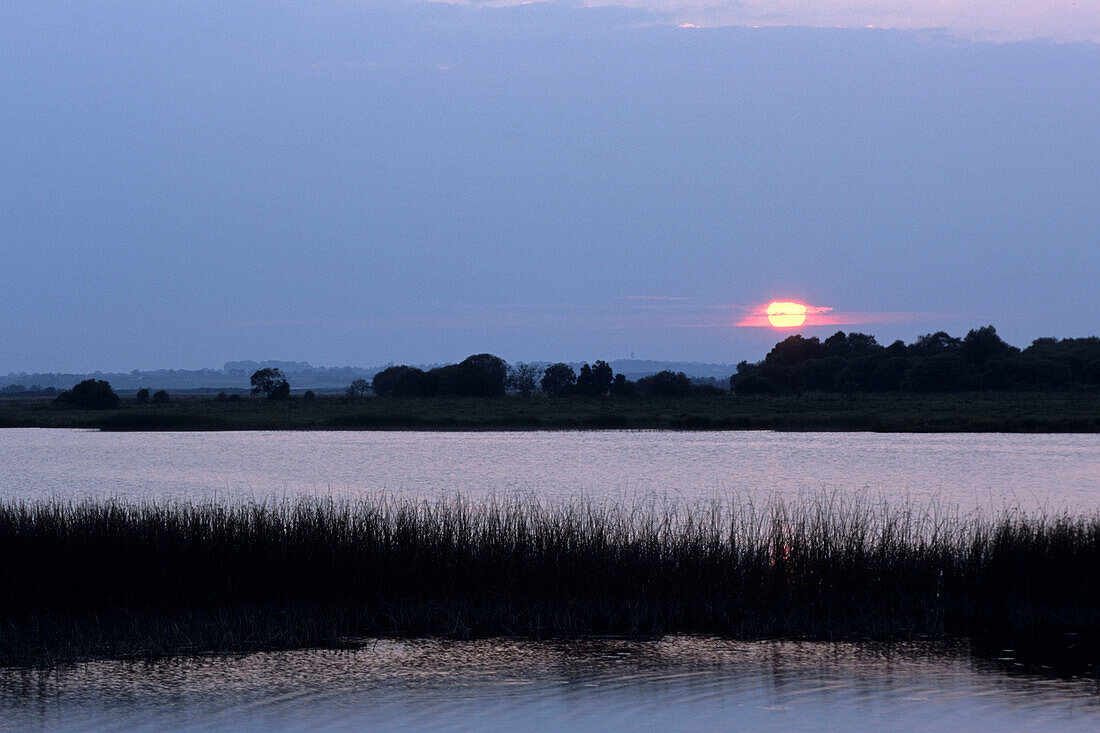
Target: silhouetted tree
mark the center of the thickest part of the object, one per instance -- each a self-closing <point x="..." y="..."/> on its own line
<point x="524" y="378"/>
<point x="358" y="388"/>
<point x="794" y="350"/>
<point x="309" y="396"/>
<point x="558" y="379"/>
<point x="851" y="345"/>
<point x="856" y="374"/>
<point x="744" y="371"/>
<point x="896" y="349"/>
<point x="664" y="384"/>
<point x="484" y="375"/>
<point x="941" y="373"/>
<point x="888" y="374"/>
<point x="403" y="381"/>
<point x="160" y="397"/>
<point x="222" y="397"/>
<point x="621" y="386"/>
<point x="935" y="344"/>
<point x="142" y="396"/>
<point x="602" y="376"/>
<point x="983" y="344"/>
<point x="584" y="385"/>
<point x="271" y="382"/>
<point x="91" y="394"/>
<point x="480" y="375"/>
<point x="1081" y="356"/>
<point x="819" y="375"/>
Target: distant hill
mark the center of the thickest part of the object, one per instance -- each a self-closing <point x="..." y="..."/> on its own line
<point x="635" y="368"/>
<point x="234" y="375"/>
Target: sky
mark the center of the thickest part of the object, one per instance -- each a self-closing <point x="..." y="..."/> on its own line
<point x="187" y="183"/>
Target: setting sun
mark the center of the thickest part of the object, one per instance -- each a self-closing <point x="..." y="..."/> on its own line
<point x="783" y="314"/>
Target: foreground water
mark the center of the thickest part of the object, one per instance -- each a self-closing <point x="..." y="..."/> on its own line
<point x="676" y="683"/>
<point x="968" y="470"/>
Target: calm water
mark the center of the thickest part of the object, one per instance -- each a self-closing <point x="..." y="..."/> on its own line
<point x="671" y="684"/>
<point x="964" y="469"/>
<point x="676" y="683"/>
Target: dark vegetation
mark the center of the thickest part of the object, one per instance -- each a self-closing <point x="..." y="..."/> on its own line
<point x="846" y="382"/>
<point x="107" y="578"/>
<point x="938" y="362"/>
<point x="481" y="375"/>
<point x="271" y="383"/>
<point x="91" y="394"/>
<point x="35" y="390"/>
<point x="1017" y="412"/>
<point x="842" y="363"/>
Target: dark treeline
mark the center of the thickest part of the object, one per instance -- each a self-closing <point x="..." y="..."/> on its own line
<point x="35" y="390"/>
<point x="104" y="578"/>
<point x="485" y="375"/>
<point x="938" y="362"/>
<point x="844" y="362"/>
<point x="480" y="375"/>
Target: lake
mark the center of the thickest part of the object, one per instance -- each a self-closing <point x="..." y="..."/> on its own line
<point x="968" y="470"/>
<point x="674" y="683"/>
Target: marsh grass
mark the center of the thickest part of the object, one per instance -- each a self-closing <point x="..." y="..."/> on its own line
<point x="93" y="578"/>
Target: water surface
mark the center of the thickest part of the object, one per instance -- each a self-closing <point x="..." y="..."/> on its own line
<point x="675" y="683"/>
<point x="964" y="469"/>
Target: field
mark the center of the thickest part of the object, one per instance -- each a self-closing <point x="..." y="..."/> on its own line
<point x="96" y="579"/>
<point x="980" y="412"/>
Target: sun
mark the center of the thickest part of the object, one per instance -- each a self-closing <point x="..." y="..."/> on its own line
<point x="783" y="314"/>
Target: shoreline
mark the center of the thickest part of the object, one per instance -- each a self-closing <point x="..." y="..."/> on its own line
<point x="1038" y="412"/>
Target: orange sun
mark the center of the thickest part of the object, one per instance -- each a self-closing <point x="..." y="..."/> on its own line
<point x="782" y="314"/>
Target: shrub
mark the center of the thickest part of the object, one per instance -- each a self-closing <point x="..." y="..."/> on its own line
<point x="664" y="384"/>
<point x="558" y="379"/>
<point x="91" y="394"/>
<point x="271" y="382"/>
<point x="358" y="388"/>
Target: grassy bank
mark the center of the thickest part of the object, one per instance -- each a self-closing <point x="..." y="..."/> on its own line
<point x="83" y="580"/>
<point x="984" y="412"/>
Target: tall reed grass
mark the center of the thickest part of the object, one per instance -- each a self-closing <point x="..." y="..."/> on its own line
<point x="92" y="578"/>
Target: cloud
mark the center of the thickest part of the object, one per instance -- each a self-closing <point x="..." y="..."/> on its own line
<point x="981" y="20"/>
<point x="819" y="315"/>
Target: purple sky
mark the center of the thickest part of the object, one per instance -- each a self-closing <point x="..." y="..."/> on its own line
<point x="186" y="183"/>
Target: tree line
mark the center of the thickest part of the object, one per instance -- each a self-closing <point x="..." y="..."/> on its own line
<point x="486" y="375"/>
<point x="938" y="362"/>
<point x="844" y="362"/>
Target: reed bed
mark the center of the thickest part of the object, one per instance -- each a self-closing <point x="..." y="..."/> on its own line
<point x="84" y="579"/>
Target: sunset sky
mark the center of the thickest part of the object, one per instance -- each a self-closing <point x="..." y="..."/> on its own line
<point x="989" y="20"/>
<point x="186" y="183"/>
